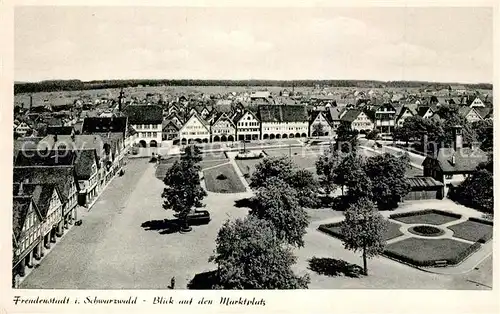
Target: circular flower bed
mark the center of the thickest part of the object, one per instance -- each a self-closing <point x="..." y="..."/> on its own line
<point x="426" y="231"/>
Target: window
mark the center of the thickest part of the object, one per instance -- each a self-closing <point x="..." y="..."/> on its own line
<point x="155" y="134"/>
<point x="448" y="176"/>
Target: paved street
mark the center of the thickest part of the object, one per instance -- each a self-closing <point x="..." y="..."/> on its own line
<point x="112" y="250"/>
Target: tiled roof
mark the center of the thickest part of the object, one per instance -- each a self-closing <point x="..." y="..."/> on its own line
<point x="99" y="125"/>
<point x="484" y="112"/>
<point x="84" y="162"/>
<point x="61" y="176"/>
<point x="422" y="182"/>
<point x="351" y="115"/>
<point x="139" y="114"/>
<point x="59" y="130"/>
<point x="336" y="112"/>
<point x="20" y="208"/>
<point x="273" y="113"/>
<point x="76" y="142"/>
<point x="422" y="110"/>
<point x="466" y="159"/>
<point x="41" y="194"/>
<point x="34" y="158"/>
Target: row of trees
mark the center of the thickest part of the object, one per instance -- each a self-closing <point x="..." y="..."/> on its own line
<point x="439" y="129"/>
<point x="59" y="85"/>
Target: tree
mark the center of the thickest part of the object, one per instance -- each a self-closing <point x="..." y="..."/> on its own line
<point x="349" y="173"/>
<point x="484" y="131"/>
<point x="192" y="155"/>
<point x="388" y="172"/>
<point x="278" y="203"/>
<point x="477" y="189"/>
<point x="249" y="255"/>
<point x="306" y="185"/>
<point x="347" y="139"/>
<point x="318" y="129"/>
<point x="363" y="230"/>
<point x="183" y="190"/>
<point x="325" y="169"/>
<point x="281" y="167"/>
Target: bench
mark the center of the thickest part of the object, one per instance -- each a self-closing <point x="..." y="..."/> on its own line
<point x="440" y="263"/>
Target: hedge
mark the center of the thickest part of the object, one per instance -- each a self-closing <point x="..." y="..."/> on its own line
<point x="487" y="237"/>
<point x="428" y="263"/>
<point x="426" y="211"/>
<point x="483" y="221"/>
<point x="326" y="229"/>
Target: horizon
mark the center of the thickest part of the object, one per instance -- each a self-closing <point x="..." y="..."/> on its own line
<point x="361" y="44"/>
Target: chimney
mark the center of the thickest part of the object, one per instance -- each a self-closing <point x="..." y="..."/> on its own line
<point x="457" y="135"/>
<point x="31" y="102"/>
<point x="453" y="160"/>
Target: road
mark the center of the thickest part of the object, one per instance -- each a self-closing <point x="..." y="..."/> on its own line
<point x="111" y="249"/>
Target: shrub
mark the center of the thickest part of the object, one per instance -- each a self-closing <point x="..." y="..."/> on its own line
<point x="483" y="221"/>
<point x="221" y="177"/>
<point x="372" y="135"/>
<point x="425" y="212"/>
<point x="331" y="229"/>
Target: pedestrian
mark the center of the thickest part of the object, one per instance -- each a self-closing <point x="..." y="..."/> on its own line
<point x="172" y="283"/>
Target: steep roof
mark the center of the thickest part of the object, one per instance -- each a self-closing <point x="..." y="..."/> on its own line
<point x="83" y="165"/>
<point x="484" y="112"/>
<point x="75" y="142"/>
<point x="35" y="158"/>
<point x="141" y="114"/>
<point x="422" y="110"/>
<point x="59" y="130"/>
<point x="466" y="159"/>
<point x="20" y="208"/>
<point x="273" y="113"/>
<point x="104" y="124"/>
<point x="336" y="112"/>
<point x="61" y="176"/>
<point x="41" y="193"/>
<point x="351" y="115"/>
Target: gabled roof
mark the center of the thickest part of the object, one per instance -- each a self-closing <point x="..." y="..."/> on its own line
<point x="141" y="114"/>
<point x="466" y="159"/>
<point x="335" y="113"/>
<point x="351" y="115"/>
<point x="20" y="209"/>
<point x="76" y="142"/>
<point x="34" y="158"/>
<point x="422" y="110"/>
<point x="484" y="112"/>
<point x="61" y="176"/>
<point x="59" y="130"/>
<point x="240" y="115"/>
<point x="167" y="123"/>
<point x="104" y="124"/>
<point x="464" y="111"/>
<point x="314" y="115"/>
<point x="83" y="164"/>
<point x="197" y="116"/>
<point x="41" y="193"/>
<point x="222" y="116"/>
<point x="273" y="113"/>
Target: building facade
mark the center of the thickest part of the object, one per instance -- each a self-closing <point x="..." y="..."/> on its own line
<point x="247" y="126"/>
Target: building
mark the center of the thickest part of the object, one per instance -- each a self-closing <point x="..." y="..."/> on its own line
<point x="402" y="113"/>
<point x="63" y="177"/>
<point x="425" y="112"/>
<point x="470" y="113"/>
<point x="475" y="102"/>
<point x="320" y="124"/>
<point x="195" y="130"/>
<point x="385" y="117"/>
<point x="451" y="165"/>
<point x="147" y="121"/>
<point x="357" y="120"/>
<point x="26" y="233"/>
<point x="47" y="199"/>
<point x="22" y="129"/>
<point x="170" y="130"/>
<point x="283" y="121"/>
<point x="223" y="129"/>
<point x="247" y="126"/>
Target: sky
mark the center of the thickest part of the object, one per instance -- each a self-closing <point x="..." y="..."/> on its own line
<point x="92" y="43"/>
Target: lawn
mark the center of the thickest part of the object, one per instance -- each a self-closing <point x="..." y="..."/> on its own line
<point x="247" y="166"/>
<point x="471" y="230"/>
<point x="165" y="164"/>
<point x="231" y="183"/>
<point x="424" y="252"/>
<point x="429" y="218"/>
<point x="391" y="233"/>
<point x="301" y="156"/>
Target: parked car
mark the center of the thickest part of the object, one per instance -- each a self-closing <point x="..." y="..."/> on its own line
<point x="198" y="217"/>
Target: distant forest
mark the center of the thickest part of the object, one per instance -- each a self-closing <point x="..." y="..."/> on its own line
<point x="68" y="85"/>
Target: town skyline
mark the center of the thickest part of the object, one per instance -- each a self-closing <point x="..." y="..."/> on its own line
<point x="382" y="44"/>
